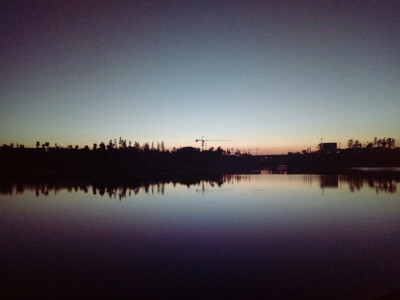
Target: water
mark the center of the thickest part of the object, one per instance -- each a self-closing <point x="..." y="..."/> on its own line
<point x="279" y="236"/>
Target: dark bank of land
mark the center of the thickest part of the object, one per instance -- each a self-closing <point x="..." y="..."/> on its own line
<point x="342" y="161"/>
<point x="122" y="163"/>
<point x="187" y="163"/>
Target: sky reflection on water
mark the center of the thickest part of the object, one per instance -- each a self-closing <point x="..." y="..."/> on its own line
<point x="287" y="236"/>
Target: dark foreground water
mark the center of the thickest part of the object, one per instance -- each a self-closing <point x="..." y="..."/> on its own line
<point x="270" y="236"/>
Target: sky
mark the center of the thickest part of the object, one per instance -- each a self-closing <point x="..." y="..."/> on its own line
<point x="270" y="76"/>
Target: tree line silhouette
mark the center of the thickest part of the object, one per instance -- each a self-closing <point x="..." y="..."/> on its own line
<point x="132" y="159"/>
<point x="118" y="159"/>
<point x="112" y="145"/>
<point x="385" y="143"/>
<point x="122" y="144"/>
<point x="379" y="153"/>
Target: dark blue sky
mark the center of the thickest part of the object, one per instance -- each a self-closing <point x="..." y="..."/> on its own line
<point x="272" y="75"/>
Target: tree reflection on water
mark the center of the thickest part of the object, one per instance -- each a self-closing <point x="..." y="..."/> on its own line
<point x="115" y="188"/>
<point x="380" y="182"/>
<point x="386" y="185"/>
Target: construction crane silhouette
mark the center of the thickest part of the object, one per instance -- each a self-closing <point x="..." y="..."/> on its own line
<point x="203" y="141"/>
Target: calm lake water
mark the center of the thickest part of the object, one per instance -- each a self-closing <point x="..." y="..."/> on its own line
<point x="279" y="236"/>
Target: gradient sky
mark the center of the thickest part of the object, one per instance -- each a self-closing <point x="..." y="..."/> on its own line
<point x="271" y="75"/>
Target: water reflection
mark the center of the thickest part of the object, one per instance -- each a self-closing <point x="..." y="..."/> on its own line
<point x="386" y="183"/>
<point x="330" y="181"/>
<point x="381" y="182"/>
<point x="277" y="230"/>
<point x="115" y="189"/>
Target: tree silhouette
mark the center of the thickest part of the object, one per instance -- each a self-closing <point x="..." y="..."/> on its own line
<point x="350" y="143"/>
<point x="384" y="142"/>
<point x="390" y="142"/>
<point x="357" y="144"/>
<point x="379" y="143"/>
<point x="110" y="145"/>
<point x="122" y="143"/>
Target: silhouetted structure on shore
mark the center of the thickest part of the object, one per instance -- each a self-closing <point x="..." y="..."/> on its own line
<point x="328" y="147"/>
<point x="130" y="160"/>
<point x="379" y="153"/>
<point x="338" y="161"/>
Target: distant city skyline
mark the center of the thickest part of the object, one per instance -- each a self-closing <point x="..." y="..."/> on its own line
<point x="275" y="76"/>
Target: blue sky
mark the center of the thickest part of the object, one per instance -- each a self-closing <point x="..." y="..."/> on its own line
<point x="271" y="75"/>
